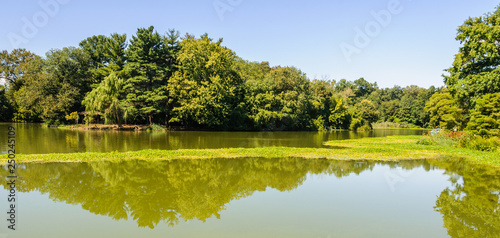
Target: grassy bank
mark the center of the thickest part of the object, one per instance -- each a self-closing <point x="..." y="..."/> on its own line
<point x="380" y="149"/>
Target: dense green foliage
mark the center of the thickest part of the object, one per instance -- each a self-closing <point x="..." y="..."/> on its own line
<point x="105" y="99"/>
<point x="475" y="70"/>
<point x="281" y="100"/>
<point x="443" y="110"/>
<point x="6" y="110"/>
<point x="197" y="83"/>
<point x="206" y="91"/>
<point x="474" y="79"/>
<point x="461" y="139"/>
<point x="485" y="117"/>
<point x="193" y="83"/>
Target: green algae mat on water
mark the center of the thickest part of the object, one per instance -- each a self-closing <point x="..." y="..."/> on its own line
<point x="391" y="148"/>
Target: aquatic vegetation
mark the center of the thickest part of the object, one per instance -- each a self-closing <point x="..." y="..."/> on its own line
<point x="390" y="148"/>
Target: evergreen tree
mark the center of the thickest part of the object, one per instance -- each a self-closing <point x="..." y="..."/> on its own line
<point x="147" y="70"/>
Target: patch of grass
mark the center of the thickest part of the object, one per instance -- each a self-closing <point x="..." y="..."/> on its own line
<point x="394" y="125"/>
<point x="407" y="146"/>
<point x="391" y="148"/>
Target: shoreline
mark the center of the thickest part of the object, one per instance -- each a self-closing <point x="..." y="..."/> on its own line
<point x="102" y="127"/>
<point x="392" y="148"/>
<point x="134" y="127"/>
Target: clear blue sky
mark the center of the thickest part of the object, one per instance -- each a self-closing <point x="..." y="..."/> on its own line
<point x="412" y="47"/>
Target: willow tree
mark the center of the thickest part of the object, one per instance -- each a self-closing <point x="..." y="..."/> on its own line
<point x="106" y="99"/>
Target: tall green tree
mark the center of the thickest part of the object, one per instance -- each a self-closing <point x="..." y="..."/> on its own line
<point x="6" y="109"/>
<point x="323" y="91"/>
<point x="147" y="70"/>
<point x="107" y="55"/>
<point x="330" y="110"/>
<point x="444" y="111"/>
<point x="475" y="71"/>
<point x="13" y="66"/>
<point x="363" y="88"/>
<point x="54" y="87"/>
<point x="106" y="52"/>
<point x="388" y="102"/>
<point x="366" y="113"/>
<point x="339" y="117"/>
<point x="485" y="117"/>
<point x="26" y="99"/>
<point x="207" y="90"/>
<point x="412" y="104"/>
<point x="283" y="101"/>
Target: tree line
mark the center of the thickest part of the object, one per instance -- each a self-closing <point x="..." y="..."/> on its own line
<point x="197" y="83"/>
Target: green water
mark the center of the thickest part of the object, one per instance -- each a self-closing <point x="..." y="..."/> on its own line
<point x="36" y="139"/>
<point x="256" y="198"/>
<point x="241" y="197"/>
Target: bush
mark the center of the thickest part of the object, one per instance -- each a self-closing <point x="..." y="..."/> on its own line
<point x="462" y="140"/>
<point x="476" y="142"/>
<point x="355" y="124"/>
<point x="365" y="127"/>
<point x="156" y="127"/>
<point x="53" y="122"/>
<point x="319" y="124"/>
<point x="441" y="138"/>
<point x="73" y="117"/>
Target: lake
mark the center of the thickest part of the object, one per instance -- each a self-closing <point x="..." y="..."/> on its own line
<point x="257" y="198"/>
<point x="37" y="139"/>
<point x="250" y="197"/>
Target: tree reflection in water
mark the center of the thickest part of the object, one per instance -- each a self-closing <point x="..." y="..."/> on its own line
<point x="171" y="191"/>
<point x="471" y="207"/>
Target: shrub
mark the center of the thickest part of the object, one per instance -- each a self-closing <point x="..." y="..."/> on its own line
<point x="462" y="140"/>
<point x="485" y="117"/>
<point x="355" y="124"/>
<point x="156" y="127"/>
<point x="441" y="138"/>
<point x="476" y="142"/>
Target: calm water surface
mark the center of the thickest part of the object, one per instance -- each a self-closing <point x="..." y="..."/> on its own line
<point x="36" y="139"/>
<point x="256" y="198"/>
<point x="242" y="197"/>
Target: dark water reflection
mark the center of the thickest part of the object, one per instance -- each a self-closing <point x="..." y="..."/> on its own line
<point x="36" y="139"/>
<point x="151" y="193"/>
